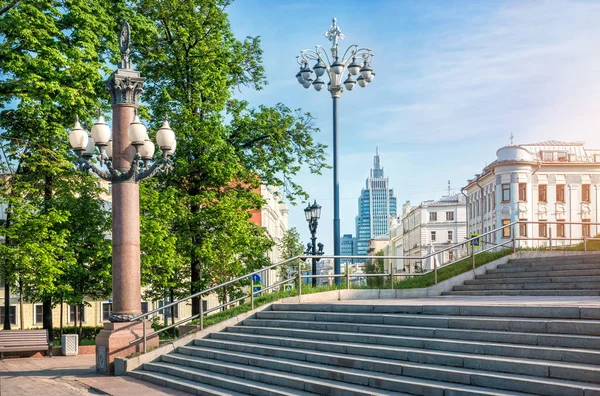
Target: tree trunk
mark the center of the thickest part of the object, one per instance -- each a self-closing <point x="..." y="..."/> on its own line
<point x="62" y="307"/>
<point x="80" y="315"/>
<point x="6" y="302"/>
<point x="196" y="270"/>
<point x="47" y="316"/>
<point x="21" y="317"/>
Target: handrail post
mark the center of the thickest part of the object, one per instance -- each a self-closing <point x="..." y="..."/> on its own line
<point x="514" y="235"/>
<point x="550" y="237"/>
<point x="392" y="276"/>
<point x="299" y="281"/>
<point x="144" y="333"/>
<point x="435" y="280"/>
<point x="347" y="275"/>
<point x="251" y="293"/>
<point x="473" y="255"/>
<point x="584" y="243"/>
<point x="201" y="315"/>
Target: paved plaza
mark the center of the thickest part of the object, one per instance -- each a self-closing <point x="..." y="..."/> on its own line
<point x="68" y="376"/>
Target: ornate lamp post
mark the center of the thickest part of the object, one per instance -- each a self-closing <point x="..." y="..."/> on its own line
<point x="127" y="158"/>
<point x="355" y="61"/>
<point x="312" y="213"/>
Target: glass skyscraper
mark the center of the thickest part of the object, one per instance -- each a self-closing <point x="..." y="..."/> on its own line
<point x="376" y="205"/>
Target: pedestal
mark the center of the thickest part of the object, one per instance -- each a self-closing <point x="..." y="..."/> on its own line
<point x="114" y="341"/>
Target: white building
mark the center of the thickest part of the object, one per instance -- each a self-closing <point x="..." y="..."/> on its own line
<point x="550" y="182"/>
<point x="431" y="225"/>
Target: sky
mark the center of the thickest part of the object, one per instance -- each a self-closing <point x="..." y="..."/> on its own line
<point x="454" y="79"/>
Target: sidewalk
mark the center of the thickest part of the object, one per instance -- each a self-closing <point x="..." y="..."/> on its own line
<point x="68" y="376"/>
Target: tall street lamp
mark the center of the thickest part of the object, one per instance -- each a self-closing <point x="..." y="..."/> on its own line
<point x="355" y="61"/>
<point x="127" y="158"/>
<point x="312" y="213"/>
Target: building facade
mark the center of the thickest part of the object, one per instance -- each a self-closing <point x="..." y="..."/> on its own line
<point x="348" y="247"/>
<point x="376" y="205"/>
<point x="550" y="184"/>
<point x="431" y="226"/>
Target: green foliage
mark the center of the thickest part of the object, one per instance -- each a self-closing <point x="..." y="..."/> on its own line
<point x="375" y="266"/>
<point x="290" y="246"/>
<point x="89" y="332"/>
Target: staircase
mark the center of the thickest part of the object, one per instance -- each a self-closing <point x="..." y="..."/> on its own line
<point x="549" y="276"/>
<point x="440" y="346"/>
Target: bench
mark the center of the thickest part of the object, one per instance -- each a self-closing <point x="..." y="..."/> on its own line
<point x="24" y="341"/>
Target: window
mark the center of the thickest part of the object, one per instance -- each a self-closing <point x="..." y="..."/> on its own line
<point x="506" y="230"/>
<point x="449" y="216"/>
<point x="76" y="312"/>
<point x="506" y="193"/>
<point x="106" y="311"/>
<point x="523" y="192"/>
<point x="12" y="314"/>
<point x="586" y="232"/>
<point x="432" y="236"/>
<point x="561" y="156"/>
<point x="450" y="255"/>
<point x="450" y="236"/>
<point x="522" y="229"/>
<point x="560" y="229"/>
<point x="39" y="313"/>
<point x="585" y="193"/>
<point x="542" y="193"/>
<point x="144" y="307"/>
<point x="542" y="230"/>
<point x="560" y="193"/>
<point x="432" y="216"/>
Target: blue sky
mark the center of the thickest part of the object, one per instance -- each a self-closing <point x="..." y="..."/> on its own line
<point x="454" y="80"/>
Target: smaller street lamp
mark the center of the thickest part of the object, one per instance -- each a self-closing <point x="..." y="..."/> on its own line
<point x="312" y="213"/>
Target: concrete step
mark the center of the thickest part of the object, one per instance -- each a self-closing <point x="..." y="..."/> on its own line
<point x="462" y="309"/>
<point x="473" y="347"/>
<point x="297" y="349"/>
<point x="523" y="293"/>
<point x="589" y="258"/>
<point x="538" y="274"/>
<point x="260" y="379"/>
<point x="411" y="378"/>
<point x="552" y="267"/>
<point x="227" y="383"/>
<point x="526" y="325"/>
<point x="539" y="339"/>
<point x="524" y="285"/>
<point x="545" y="279"/>
<point x="327" y="365"/>
<point x="180" y="384"/>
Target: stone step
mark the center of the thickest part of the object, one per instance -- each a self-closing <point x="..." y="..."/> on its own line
<point x="458" y="308"/>
<point x="544" y="279"/>
<point x="539" y="339"/>
<point x="537" y="274"/>
<point x="297" y="349"/>
<point x="180" y="384"/>
<point x="228" y="384"/>
<point x="394" y="377"/>
<point x="320" y="364"/>
<point x="462" y="346"/>
<point x="523" y="293"/>
<point x="278" y="383"/>
<point x="538" y="268"/>
<point x="531" y="286"/>
<point x="527" y="325"/>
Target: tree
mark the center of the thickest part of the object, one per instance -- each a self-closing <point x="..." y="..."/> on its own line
<point x="193" y="64"/>
<point x="52" y="61"/>
<point x="375" y="266"/>
<point x="290" y="246"/>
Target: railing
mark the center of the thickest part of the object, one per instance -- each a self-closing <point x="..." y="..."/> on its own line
<point x="510" y="239"/>
<point x="298" y="277"/>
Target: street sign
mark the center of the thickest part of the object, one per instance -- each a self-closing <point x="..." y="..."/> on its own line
<point x="256" y="278"/>
<point x="256" y="290"/>
<point x="475" y="243"/>
<point x="288" y="286"/>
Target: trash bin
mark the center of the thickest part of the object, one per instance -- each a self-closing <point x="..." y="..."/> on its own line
<point x="69" y="344"/>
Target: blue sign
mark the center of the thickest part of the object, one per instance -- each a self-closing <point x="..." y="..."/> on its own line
<point x="475" y="242"/>
<point x="256" y="290"/>
<point x="288" y="286"/>
<point x="256" y="278"/>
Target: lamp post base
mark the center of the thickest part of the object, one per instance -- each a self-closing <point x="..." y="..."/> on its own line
<point x="114" y="341"/>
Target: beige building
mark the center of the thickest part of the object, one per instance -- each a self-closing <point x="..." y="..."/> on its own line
<point x="553" y="183"/>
